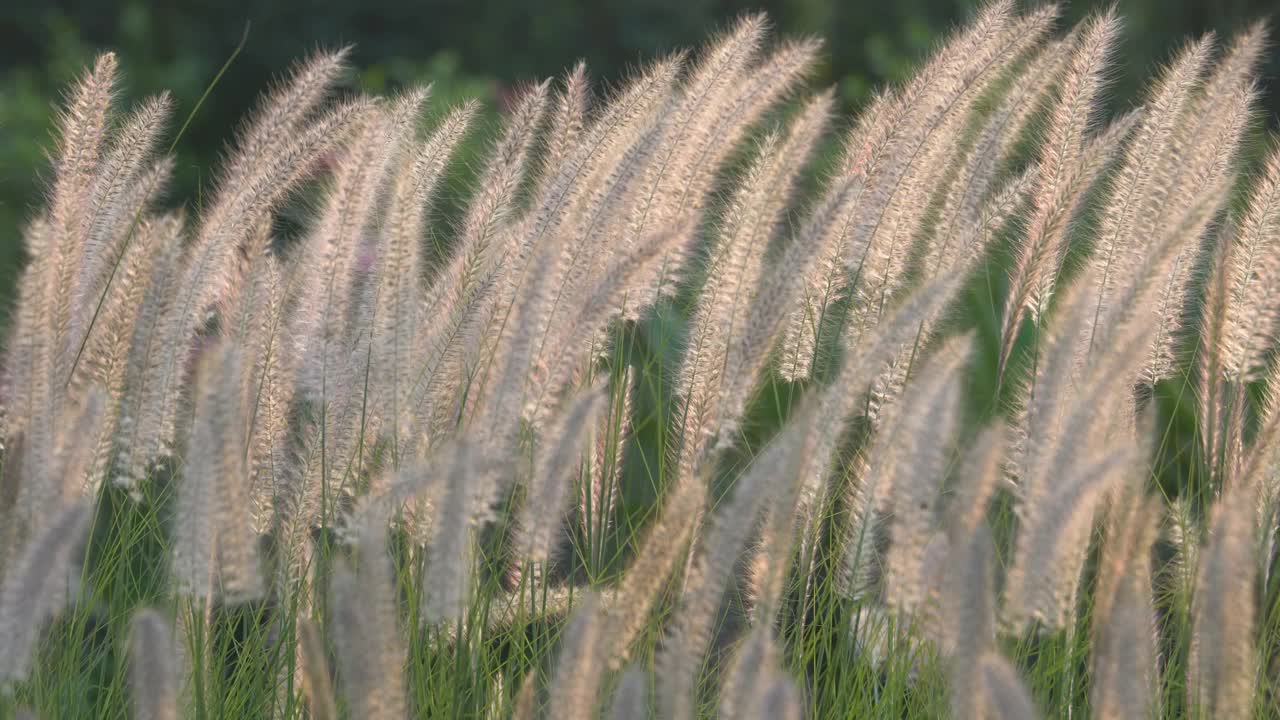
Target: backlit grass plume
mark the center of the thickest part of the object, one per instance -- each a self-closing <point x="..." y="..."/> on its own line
<point x="666" y="412"/>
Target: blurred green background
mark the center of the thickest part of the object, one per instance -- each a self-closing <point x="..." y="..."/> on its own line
<point x="479" y="48"/>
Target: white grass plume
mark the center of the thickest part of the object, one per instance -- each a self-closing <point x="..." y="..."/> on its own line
<point x="1037" y="260"/>
<point x="1142" y="181"/>
<point x="154" y="663"/>
<point x="364" y="622"/>
<point x="1123" y="617"/>
<point x="1222" y="672"/>
<point x="314" y="659"/>
<point x="731" y="527"/>
<point x="38" y="585"/>
<point x="907" y="470"/>
<point x="724" y="351"/>
<point x="555" y="459"/>
<point x="215" y="549"/>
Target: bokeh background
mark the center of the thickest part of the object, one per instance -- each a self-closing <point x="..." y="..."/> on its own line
<point x="468" y="48"/>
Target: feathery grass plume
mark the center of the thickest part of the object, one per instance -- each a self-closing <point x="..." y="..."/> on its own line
<point x="946" y="617"/>
<point x="790" y="509"/>
<point x="930" y="152"/>
<point x="1037" y="258"/>
<point x="331" y="323"/>
<point x="316" y="683"/>
<point x="364" y="622"/>
<point x="329" y="255"/>
<point x="1220" y="115"/>
<point x="267" y="377"/>
<point x="1051" y="392"/>
<point x="765" y="84"/>
<point x="581" y="276"/>
<point x="1253" y="256"/>
<point x="494" y="202"/>
<point x="207" y="274"/>
<point x="655" y="560"/>
<point x="1211" y="382"/>
<point x="733" y="524"/>
<point x="461" y="506"/>
<point x="944" y="95"/>
<point x="631" y="699"/>
<point x="512" y="398"/>
<point x="907" y="465"/>
<point x="881" y="165"/>
<point x="285" y="109"/>
<point x="754" y="671"/>
<point x="401" y="265"/>
<point x="601" y="472"/>
<point x="1003" y="694"/>
<point x="146" y="359"/>
<point x="125" y="184"/>
<point x="1123" y="618"/>
<point x="765" y="315"/>
<point x="106" y="358"/>
<point x="24" y="338"/>
<point x="39" y="357"/>
<point x="989" y="151"/>
<point x="600" y="638"/>
<point x="215" y="549"/>
<point x="708" y="121"/>
<point x="579" y="670"/>
<point x="463" y="496"/>
<point x="526" y="703"/>
<point x="723" y="346"/>
<point x="275" y="151"/>
<point x="826" y="419"/>
<point x="599" y="174"/>
<point x="507" y="610"/>
<point x="1221" y="676"/>
<point x="780" y="699"/>
<point x="568" y="123"/>
<point x="37" y="585"/>
<point x="864" y="149"/>
<point x="1053" y="532"/>
<point x="153" y="667"/>
<point x="1143" y="177"/>
<point x="83" y="131"/>
<point x="1079" y="442"/>
<point x="417" y="488"/>
<point x="1181" y="530"/>
<point x="577" y="273"/>
<point x="1077" y="401"/>
<point x="54" y="474"/>
<point x="334" y="315"/>
<point x="556" y="457"/>
<point x="961" y="257"/>
<point x="968" y="606"/>
<point x="355" y="390"/>
<point x="461" y="300"/>
<point x="835" y="406"/>
<point x="1207" y="146"/>
<point x="1259" y="464"/>
<point x="246" y="200"/>
<point x="978" y="477"/>
<point x="621" y="122"/>
<point x="712" y="86"/>
<point x="1132" y="317"/>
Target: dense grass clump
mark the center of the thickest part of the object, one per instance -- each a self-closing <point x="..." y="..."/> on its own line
<point x="696" y="403"/>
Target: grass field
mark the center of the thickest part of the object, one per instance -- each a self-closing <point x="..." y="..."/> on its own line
<point x="679" y="399"/>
